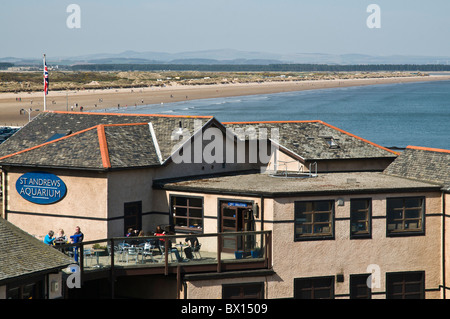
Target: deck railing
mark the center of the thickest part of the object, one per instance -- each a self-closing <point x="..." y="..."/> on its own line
<point x="218" y="249"/>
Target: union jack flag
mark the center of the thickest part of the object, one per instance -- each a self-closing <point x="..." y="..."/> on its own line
<point x="45" y="78"/>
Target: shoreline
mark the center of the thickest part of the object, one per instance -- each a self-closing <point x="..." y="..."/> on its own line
<point x="98" y="99"/>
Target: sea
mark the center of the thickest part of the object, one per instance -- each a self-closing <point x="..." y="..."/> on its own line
<point x="390" y="115"/>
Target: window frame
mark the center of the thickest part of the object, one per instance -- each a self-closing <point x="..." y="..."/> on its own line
<point x="242" y="290"/>
<point x="312" y="280"/>
<point x="315" y="236"/>
<point x="355" y="282"/>
<point x="390" y="281"/>
<point x="368" y="233"/>
<point x="186" y="229"/>
<point x="408" y="232"/>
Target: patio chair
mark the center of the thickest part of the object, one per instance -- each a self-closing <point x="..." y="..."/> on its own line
<point x="148" y="251"/>
<point x="132" y="252"/>
<point x="163" y="253"/>
<point x="121" y="250"/>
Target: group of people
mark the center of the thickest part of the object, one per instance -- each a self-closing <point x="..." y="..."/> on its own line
<point x="188" y="251"/>
<point x="62" y="239"/>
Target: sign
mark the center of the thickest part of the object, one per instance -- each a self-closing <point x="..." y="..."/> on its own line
<point x="41" y="187"/>
<point x="237" y="204"/>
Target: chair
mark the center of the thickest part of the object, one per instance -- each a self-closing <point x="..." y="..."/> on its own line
<point x="121" y="250"/>
<point x="196" y="251"/>
<point x="163" y="253"/>
<point x="148" y="251"/>
<point x="133" y="252"/>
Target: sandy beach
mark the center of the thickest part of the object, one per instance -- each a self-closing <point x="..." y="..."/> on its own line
<point x="12" y="103"/>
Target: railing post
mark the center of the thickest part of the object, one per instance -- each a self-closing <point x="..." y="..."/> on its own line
<point x="112" y="267"/>
<point x="219" y="252"/>
<point x="80" y="253"/>
<point x="166" y="257"/>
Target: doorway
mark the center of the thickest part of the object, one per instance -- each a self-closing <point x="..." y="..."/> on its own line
<point x="236" y="217"/>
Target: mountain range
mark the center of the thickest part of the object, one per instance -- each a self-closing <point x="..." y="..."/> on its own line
<point x="229" y="56"/>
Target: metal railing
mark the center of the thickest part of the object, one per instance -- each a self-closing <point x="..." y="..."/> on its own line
<point x="168" y="251"/>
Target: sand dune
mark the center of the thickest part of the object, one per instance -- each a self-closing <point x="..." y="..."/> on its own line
<point x="12" y="103"/>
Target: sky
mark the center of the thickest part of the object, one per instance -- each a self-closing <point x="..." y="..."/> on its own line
<point x="29" y="28"/>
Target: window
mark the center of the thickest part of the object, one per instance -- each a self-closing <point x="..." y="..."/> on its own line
<point x="405" y="216"/>
<point x="314" y="219"/>
<point x="31" y="290"/>
<point x="359" y="288"/>
<point x="360" y="218"/>
<point x="314" y="288"/>
<point x="243" y="291"/>
<point x="132" y="216"/>
<point x="406" y="285"/>
<point x="187" y="213"/>
<point x="331" y="142"/>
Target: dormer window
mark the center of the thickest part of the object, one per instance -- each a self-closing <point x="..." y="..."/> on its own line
<point x="331" y="142"/>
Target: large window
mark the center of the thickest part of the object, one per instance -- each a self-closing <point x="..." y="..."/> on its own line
<point x="360" y="218"/>
<point x="314" y="288"/>
<point x="405" y="285"/>
<point x="314" y="219"/>
<point x="187" y="213"/>
<point x="405" y="216"/>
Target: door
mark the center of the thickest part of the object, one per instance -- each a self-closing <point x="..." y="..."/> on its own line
<point x="235" y="217"/>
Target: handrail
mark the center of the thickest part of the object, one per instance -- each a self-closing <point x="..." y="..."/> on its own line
<point x="113" y="241"/>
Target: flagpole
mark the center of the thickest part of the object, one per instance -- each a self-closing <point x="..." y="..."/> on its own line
<point x="45" y="91"/>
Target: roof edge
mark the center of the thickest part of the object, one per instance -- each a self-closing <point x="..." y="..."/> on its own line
<point x="429" y="149"/>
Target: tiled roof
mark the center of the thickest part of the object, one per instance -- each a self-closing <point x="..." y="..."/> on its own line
<point x="425" y="164"/>
<point x="22" y="254"/>
<point x="311" y="140"/>
<point x="96" y="140"/>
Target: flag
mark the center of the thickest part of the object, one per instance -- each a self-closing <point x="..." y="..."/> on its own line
<point x="45" y="78"/>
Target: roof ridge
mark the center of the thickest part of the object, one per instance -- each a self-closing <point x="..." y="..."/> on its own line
<point x="429" y="149"/>
<point x="103" y="144"/>
<point x="129" y="114"/>
<point x="47" y="143"/>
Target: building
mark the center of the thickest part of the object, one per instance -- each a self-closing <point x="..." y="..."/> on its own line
<point x="29" y="269"/>
<point x="337" y="208"/>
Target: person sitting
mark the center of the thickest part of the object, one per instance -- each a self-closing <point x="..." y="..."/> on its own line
<point x="193" y="245"/>
<point x="49" y="239"/>
<point x="175" y="251"/>
<point x="61" y="239"/>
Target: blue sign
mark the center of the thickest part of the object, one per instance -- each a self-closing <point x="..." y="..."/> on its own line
<point x="237" y="204"/>
<point x="41" y="187"/>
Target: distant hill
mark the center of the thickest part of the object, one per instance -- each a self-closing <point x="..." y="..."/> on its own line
<point x="229" y="56"/>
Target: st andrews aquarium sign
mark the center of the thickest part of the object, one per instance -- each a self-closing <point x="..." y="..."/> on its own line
<point x="41" y="187"/>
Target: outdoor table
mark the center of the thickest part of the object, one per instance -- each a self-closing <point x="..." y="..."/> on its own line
<point x="97" y="252"/>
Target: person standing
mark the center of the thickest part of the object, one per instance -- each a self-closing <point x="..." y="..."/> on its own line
<point x="77" y="237"/>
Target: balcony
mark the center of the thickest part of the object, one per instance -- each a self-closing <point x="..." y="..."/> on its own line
<point x="127" y="256"/>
